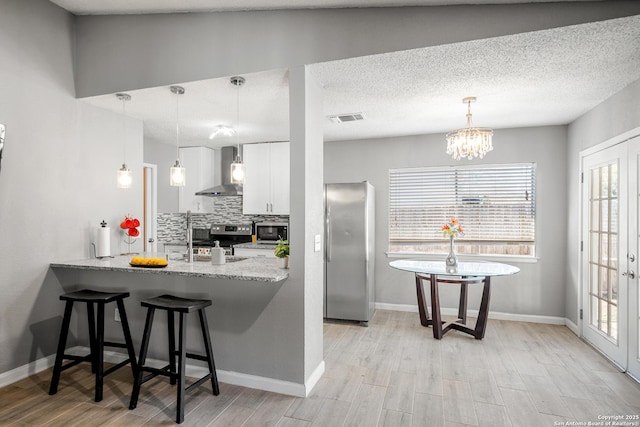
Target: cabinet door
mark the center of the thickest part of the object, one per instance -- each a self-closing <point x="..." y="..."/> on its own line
<point x="198" y="163"/>
<point x="254" y="253"/>
<point x="255" y="197"/>
<point x="279" y="178"/>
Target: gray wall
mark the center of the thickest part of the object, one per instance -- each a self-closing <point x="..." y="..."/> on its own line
<point x="618" y="114"/>
<point x="539" y="288"/>
<point x="130" y="52"/>
<point x="58" y="177"/>
<point x="164" y="156"/>
<point x="307" y="208"/>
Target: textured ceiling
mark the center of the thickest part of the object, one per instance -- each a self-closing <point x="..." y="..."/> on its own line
<point x="539" y="78"/>
<point x="112" y="7"/>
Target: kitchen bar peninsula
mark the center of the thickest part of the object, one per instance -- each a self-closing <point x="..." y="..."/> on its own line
<point x="255" y="269"/>
<point x="251" y="320"/>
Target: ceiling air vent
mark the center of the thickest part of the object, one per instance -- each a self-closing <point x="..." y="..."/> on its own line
<point x="342" y="118"/>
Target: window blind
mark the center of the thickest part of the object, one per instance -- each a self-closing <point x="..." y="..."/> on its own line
<point x="495" y="204"/>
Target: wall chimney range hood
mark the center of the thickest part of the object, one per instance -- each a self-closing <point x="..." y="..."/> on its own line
<point x="227" y="156"/>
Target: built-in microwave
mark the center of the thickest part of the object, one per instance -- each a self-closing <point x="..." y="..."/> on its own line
<point x="271" y="232"/>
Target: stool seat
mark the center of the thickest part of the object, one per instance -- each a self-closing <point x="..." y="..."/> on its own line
<point x="97" y="343"/>
<point x="89" y="295"/>
<point x="174" y="303"/>
<point x="175" y="370"/>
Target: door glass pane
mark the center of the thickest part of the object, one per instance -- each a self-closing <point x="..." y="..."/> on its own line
<point x="603" y="282"/>
<point x="613" y="283"/>
<point x="613" y="251"/>
<point x="603" y="253"/>
<point x="593" y="278"/>
<point x="604" y="182"/>
<point x="593" y="315"/>
<point x="604" y="249"/>
<point x="614" y="215"/>
<point x="595" y="217"/>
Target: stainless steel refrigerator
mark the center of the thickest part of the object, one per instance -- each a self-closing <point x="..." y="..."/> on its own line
<point x="349" y="285"/>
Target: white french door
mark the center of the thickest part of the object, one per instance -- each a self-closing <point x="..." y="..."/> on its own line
<point x="610" y="206"/>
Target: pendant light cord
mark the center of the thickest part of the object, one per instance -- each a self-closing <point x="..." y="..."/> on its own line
<point x="124" y="131"/>
<point x="238" y="119"/>
<point x="177" y="127"/>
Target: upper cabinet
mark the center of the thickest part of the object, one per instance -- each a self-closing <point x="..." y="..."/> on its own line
<point x="199" y="165"/>
<point x="266" y="182"/>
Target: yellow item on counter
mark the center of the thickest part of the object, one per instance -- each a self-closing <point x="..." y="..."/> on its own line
<point x="138" y="260"/>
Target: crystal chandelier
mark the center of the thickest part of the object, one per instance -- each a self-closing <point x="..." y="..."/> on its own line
<point x="469" y="142"/>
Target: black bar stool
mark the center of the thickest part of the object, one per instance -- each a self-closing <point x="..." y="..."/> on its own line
<point x="96" y="337"/>
<point x="182" y="306"/>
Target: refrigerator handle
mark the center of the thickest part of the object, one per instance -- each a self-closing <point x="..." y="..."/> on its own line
<point x="328" y="239"/>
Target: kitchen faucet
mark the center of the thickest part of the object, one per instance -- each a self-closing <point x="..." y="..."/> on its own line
<point x="189" y="238"/>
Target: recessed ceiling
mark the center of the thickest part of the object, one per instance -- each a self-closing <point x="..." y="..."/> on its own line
<point x="548" y="77"/>
<point x="114" y="7"/>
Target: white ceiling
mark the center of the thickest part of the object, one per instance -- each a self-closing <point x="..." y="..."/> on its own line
<point x="540" y="78"/>
<point x="113" y="7"/>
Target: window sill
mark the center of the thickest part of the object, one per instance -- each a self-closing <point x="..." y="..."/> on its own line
<point x="465" y="257"/>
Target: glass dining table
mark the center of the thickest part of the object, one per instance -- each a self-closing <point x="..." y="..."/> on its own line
<point x="466" y="273"/>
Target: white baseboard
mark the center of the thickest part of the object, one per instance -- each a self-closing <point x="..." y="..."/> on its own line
<point x="572" y="326"/>
<point x="25" y="371"/>
<point x="228" y="377"/>
<point x="313" y="379"/>
<point x="397" y="307"/>
<point x="532" y="318"/>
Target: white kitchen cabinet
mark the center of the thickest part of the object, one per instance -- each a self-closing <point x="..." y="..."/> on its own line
<point x="175" y="251"/>
<point x="266" y="183"/>
<point x="199" y="165"/>
<point x="258" y="253"/>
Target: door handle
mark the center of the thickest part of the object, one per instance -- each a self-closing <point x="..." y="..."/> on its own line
<point x="631" y="257"/>
<point x="328" y="238"/>
<point x="630" y="273"/>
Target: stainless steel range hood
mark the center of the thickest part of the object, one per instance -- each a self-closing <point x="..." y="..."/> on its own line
<point x="227" y="156"/>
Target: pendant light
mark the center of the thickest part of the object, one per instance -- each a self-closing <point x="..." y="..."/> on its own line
<point x="469" y="142"/>
<point x="237" y="167"/>
<point x="124" y="179"/>
<point x="178" y="172"/>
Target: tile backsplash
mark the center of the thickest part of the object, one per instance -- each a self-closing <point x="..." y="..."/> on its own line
<point x="228" y="210"/>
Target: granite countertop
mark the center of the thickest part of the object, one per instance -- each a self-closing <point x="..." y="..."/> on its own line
<point x="255" y="246"/>
<point x="254" y="269"/>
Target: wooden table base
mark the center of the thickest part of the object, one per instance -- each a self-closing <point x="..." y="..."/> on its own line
<point x="439" y="327"/>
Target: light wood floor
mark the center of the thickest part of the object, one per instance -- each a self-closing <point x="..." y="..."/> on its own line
<point x="392" y="373"/>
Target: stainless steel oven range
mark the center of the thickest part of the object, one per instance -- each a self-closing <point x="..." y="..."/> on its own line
<point x="227" y="234"/>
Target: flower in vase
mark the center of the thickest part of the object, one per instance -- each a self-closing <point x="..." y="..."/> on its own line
<point x="453" y="228"/>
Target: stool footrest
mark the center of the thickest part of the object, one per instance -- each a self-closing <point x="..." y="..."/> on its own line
<point x="116" y="367"/>
<point x="197" y="357"/>
<point x="164" y="371"/>
<point x="115" y="344"/>
<point x="197" y="383"/>
<point x="76" y="360"/>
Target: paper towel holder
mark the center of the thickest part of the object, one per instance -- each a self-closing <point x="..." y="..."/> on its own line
<point x="103" y="224"/>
